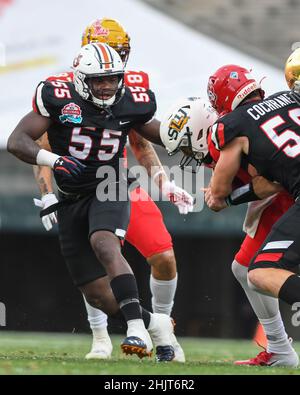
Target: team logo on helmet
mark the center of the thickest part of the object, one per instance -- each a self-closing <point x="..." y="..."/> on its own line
<point x="177" y="123"/>
<point x="234" y="75"/>
<point x="100" y="30"/>
<point x="76" y="61"/>
<point x="71" y="113"/>
<point x="211" y="92"/>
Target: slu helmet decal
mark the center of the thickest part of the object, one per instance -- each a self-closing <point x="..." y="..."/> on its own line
<point x="177" y="122"/>
<point x="71" y="113"/>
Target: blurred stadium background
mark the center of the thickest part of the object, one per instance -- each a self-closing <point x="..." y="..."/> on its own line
<point x="179" y="43"/>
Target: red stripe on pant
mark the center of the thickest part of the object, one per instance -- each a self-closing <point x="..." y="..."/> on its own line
<point x="269" y="256"/>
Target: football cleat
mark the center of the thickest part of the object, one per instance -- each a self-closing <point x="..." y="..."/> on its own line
<point x="101" y="348"/>
<point x="135" y="345"/>
<point x="165" y="354"/>
<point x="161" y="331"/>
<point x="179" y="353"/>
<point x="265" y="358"/>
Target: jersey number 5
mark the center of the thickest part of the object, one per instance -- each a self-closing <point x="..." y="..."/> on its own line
<point x="139" y="94"/>
<point x="287" y="136"/>
<point x="109" y="139"/>
<point x="61" y="90"/>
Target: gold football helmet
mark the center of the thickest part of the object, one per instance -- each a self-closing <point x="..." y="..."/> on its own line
<point x="292" y="70"/>
<point x="108" y="31"/>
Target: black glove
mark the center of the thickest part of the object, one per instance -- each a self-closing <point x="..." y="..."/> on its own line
<point x="67" y="166"/>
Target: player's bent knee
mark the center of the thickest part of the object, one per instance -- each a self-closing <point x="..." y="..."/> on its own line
<point x="95" y="300"/>
<point x="256" y="279"/>
<point x="163" y="265"/>
<point x="106" y="246"/>
<point x="239" y="271"/>
<point x="102" y="302"/>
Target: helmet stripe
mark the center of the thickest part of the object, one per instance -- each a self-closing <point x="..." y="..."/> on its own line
<point x="99" y="55"/>
<point x="105" y="55"/>
<point x="111" y="57"/>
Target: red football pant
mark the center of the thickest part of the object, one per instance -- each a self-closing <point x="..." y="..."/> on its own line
<point x="270" y="215"/>
<point x="147" y="231"/>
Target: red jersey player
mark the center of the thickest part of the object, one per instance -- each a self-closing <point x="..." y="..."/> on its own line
<point x="156" y="243"/>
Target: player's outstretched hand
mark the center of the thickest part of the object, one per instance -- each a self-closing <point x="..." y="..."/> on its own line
<point x="213" y="203"/>
<point x="178" y="196"/>
<point x="68" y="167"/>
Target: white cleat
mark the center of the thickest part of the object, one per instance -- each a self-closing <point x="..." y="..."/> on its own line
<point x="289" y="360"/>
<point x="161" y="331"/>
<point x="264" y="358"/>
<point x="101" y="348"/>
<point x="179" y="353"/>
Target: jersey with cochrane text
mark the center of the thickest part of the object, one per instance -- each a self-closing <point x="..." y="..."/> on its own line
<point x="272" y="127"/>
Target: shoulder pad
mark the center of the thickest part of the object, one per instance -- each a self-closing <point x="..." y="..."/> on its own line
<point x="140" y="103"/>
<point x="136" y="78"/>
<point x="224" y="130"/>
<point x="276" y="94"/>
<point x="66" y="77"/>
<point x="54" y="99"/>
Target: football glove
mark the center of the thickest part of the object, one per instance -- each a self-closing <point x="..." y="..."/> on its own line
<point x="178" y="196"/>
<point x="67" y="166"/>
<point x="46" y="201"/>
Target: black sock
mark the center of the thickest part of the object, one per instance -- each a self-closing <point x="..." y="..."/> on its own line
<point x="290" y="290"/>
<point x="117" y="321"/>
<point x="146" y="317"/>
<point x="126" y="293"/>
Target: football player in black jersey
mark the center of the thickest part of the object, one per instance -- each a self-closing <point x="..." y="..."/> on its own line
<point x="145" y="217"/>
<point x="266" y="132"/>
<point x="261" y="215"/>
<point x="87" y="124"/>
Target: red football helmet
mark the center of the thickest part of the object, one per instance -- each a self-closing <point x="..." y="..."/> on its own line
<point x="229" y="86"/>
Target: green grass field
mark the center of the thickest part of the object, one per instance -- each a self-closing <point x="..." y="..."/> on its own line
<point x="41" y="353"/>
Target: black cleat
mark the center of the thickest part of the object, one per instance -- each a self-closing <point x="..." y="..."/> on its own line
<point x="135" y="345"/>
<point x="164" y="353"/>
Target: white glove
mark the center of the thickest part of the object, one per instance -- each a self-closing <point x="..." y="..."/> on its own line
<point x="47" y="200"/>
<point x="182" y="199"/>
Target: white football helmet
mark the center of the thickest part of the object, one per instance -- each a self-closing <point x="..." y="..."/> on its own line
<point x="98" y="60"/>
<point x="185" y="127"/>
